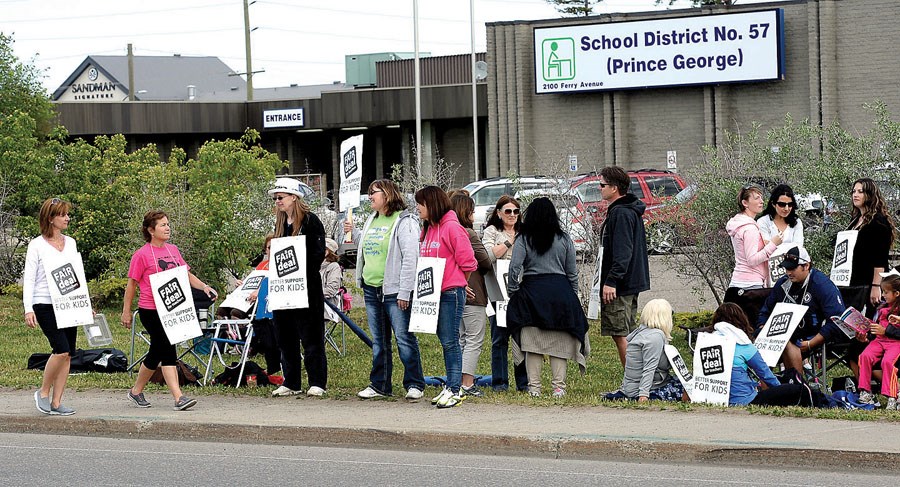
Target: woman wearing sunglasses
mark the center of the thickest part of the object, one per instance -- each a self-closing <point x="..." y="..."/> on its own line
<point x="499" y="236"/>
<point x="780" y="216"/>
<point x="293" y="217"/>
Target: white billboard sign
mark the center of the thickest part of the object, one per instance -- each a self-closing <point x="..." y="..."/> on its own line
<point x="680" y="51"/>
<point x="290" y="117"/>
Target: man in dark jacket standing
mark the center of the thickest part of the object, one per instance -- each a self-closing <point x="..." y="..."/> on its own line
<point x="624" y="271"/>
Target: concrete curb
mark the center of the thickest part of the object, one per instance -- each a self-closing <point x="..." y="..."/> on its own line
<point x="562" y="446"/>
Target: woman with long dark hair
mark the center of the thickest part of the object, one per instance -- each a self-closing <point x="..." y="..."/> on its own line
<point x="873" y="243"/>
<point x="544" y="315"/>
<point x="301" y="325"/>
<point x="471" y="329"/>
<point x="499" y="237"/>
<point x="444" y="237"/>
<point x="780" y="217"/>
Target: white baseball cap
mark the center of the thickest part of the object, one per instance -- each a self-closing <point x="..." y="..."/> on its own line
<point x="286" y="185"/>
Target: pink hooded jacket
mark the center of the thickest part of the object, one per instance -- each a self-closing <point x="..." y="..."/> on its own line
<point x="449" y="240"/>
<point x="751" y="256"/>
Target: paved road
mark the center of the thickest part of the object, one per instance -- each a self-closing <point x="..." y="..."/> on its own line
<point x="27" y="459"/>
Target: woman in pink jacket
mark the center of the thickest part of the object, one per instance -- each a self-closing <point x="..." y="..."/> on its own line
<point x="444" y="237"/>
<point x="751" y="253"/>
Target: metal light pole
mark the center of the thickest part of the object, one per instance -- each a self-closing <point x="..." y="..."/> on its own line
<point x="474" y="93"/>
<point x="418" y="88"/>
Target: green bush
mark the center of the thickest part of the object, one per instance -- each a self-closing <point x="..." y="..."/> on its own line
<point x="12" y="290"/>
<point x="107" y="292"/>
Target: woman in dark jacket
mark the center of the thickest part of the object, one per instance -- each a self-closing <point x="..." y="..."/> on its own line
<point x="873" y="243"/>
<point x="301" y="325"/>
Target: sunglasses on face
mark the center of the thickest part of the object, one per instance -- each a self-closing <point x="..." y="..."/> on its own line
<point x="371" y="193"/>
<point x="278" y="198"/>
<point x="511" y="211"/>
<point x="603" y="185"/>
<point x="785" y="204"/>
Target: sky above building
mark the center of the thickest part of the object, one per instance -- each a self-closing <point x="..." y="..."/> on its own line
<point x="293" y="41"/>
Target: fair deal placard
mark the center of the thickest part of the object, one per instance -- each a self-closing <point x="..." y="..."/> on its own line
<point x="237" y="299"/>
<point x="288" y="287"/>
<point x="175" y="304"/>
<point x="713" y="360"/>
<point x="681" y="370"/>
<point x="595" y="302"/>
<point x="427" y="297"/>
<point x="778" y="330"/>
<point x="68" y="289"/>
<point x="351" y="172"/>
<point x="501" y="270"/>
<point x="842" y="264"/>
<point x="697" y="50"/>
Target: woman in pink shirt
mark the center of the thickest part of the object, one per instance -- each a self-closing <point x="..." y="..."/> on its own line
<point x="444" y="237"/>
<point x="155" y="256"/>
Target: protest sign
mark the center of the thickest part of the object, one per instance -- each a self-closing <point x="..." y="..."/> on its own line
<point x="427" y="297"/>
<point x="175" y="304"/>
<point x="713" y="360"/>
<point x="288" y="286"/>
<point x="681" y="369"/>
<point x="596" y="290"/>
<point x="776" y="333"/>
<point x="351" y="172"/>
<point x="68" y="289"/>
<point x="842" y="264"/>
<point x="237" y="299"/>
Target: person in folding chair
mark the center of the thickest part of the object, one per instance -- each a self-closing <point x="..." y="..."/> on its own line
<point x="802" y="284"/>
<point x="332" y="280"/>
<point x="155" y="256"/>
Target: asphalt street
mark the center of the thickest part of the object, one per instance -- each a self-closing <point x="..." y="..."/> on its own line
<point x="32" y="459"/>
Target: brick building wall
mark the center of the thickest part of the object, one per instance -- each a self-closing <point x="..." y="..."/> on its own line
<point x="839" y="55"/>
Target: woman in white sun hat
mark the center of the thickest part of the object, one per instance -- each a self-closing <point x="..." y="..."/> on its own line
<point x="298" y="326"/>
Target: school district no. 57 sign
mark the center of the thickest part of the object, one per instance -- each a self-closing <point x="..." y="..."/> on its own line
<point x="703" y="49"/>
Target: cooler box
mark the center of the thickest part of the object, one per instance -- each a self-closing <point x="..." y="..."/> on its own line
<point x="98" y="334"/>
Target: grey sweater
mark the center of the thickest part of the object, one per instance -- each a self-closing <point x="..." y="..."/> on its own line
<point x="402" y="256"/>
<point x="646" y="365"/>
<point x="559" y="259"/>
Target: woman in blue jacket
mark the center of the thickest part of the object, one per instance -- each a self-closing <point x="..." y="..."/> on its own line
<point x="730" y="321"/>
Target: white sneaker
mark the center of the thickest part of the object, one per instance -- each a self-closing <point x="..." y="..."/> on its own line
<point x="315" y="391"/>
<point x="368" y="393"/>
<point x="891" y="404"/>
<point x="450" y="400"/>
<point x="558" y="392"/>
<point x="444" y="392"/>
<point x="414" y="394"/>
<point x="284" y="391"/>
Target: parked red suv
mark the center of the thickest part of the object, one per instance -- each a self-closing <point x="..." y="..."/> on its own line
<point x="649" y="185"/>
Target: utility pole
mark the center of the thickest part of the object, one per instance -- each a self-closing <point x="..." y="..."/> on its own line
<point x="247" y="47"/>
<point x="130" y="73"/>
<point x="418" y="88"/>
<point x="474" y="90"/>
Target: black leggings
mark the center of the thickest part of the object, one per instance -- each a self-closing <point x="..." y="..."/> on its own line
<point x="61" y="341"/>
<point x="783" y="395"/>
<point x="161" y="352"/>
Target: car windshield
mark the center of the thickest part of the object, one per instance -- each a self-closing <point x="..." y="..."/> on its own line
<point x="488" y="195"/>
<point x="589" y="191"/>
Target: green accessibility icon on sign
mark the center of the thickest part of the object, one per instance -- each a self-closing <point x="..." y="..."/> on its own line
<point x="558" y="57"/>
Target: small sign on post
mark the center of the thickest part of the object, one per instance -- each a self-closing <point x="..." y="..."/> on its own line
<point x="672" y="160"/>
<point x="573" y="163"/>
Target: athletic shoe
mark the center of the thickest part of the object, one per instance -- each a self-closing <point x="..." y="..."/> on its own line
<point x="558" y="392"/>
<point x="184" y="403"/>
<point x="444" y="392"/>
<point x="473" y="391"/>
<point x="369" y="393"/>
<point x="138" y="399"/>
<point x="284" y="391"/>
<point x="315" y="391"/>
<point x="42" y="403"/>
<point x="866" y="397"/>
<point x="414" y="394"/>
<point x="891" y="404"/>
<point x="450" y="400"/>
<point x="535" y="393"/>
<point x="61" y="411"/>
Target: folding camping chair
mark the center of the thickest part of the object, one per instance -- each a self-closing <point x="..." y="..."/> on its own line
<point x="332" y="325"/>
<point x="838" y="354"/>
<point x="229" y="332"/>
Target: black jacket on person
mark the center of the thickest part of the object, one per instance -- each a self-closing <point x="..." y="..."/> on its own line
<point x="873" y="243"/>
<point x="624" y="240"/>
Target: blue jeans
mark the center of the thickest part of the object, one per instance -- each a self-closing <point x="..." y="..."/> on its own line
<point x="500" y="360"/>
<point x="453" y="303"/>
<point x="384" y="316"/>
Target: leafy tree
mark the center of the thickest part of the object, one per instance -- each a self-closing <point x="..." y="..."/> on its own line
<point x="574" y="8"/>
<point x="21" y="89"/>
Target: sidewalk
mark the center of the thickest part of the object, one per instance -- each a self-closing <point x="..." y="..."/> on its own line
<point x="566" y="432"/>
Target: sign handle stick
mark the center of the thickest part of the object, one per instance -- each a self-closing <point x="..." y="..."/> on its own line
<point x="348" y="237"/>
